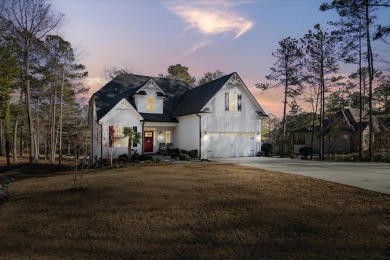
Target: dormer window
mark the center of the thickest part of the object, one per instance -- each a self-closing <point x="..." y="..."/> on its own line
<point x="150" y="104"/>
<point x="232" y="102"/>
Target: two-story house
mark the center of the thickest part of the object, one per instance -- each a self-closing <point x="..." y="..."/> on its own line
<point x="219" y="119"/>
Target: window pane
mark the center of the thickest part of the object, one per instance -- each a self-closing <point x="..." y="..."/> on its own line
<point x="168" y="136"/>
<point x="226" y="101"/>
<point x="232" y="102"/>
<point x="239" y="102"/>
<point x="150" y="104"/>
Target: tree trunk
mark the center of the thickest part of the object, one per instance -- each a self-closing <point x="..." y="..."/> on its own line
<point x="1" y="138"/>
<point x="370" y="62"/>
<point x="15" y="156"/>
<point x="284" y="120"/>
<point x="53" y="129"/>
<point x="28" y="108"/>
<point x="315" y="110"/>
<point x="60" y="122"/>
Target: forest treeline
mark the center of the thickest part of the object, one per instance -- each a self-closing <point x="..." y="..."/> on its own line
<point x="309" y="72"/>
<point x="40" y="80"/>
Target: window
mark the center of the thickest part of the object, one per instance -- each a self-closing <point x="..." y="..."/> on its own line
<point x="226" y="101"/>
<point x="116" y="137"/>
<point x="232" y="102"/>
<point x="111" y="137"/>
<point x="135" y="130"/>
<point x="300" y="139"/>
<point x="150" y="104"/>
<point x="168" y="137"/>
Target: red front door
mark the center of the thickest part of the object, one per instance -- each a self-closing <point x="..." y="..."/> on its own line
<point x="148" y="142"/>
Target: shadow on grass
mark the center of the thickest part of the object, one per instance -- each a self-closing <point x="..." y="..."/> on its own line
<point x="28" y="170"/>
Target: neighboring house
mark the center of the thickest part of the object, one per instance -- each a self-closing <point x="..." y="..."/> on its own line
<point x="342" y="133"/>
<point x="219" y="119"/>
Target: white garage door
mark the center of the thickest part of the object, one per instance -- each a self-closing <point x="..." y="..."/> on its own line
<point x="231" y="145"/>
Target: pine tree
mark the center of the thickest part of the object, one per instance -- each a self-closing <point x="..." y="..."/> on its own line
<point x="286" y="71"/>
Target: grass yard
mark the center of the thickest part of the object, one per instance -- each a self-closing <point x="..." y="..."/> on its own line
<point x="202" y="210"/>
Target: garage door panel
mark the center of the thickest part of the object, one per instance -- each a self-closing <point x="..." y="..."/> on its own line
<point x="231" y="145"/>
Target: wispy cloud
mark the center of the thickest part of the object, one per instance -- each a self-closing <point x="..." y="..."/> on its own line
<point x="212" y="18"/>
<point x="193" y="49"/>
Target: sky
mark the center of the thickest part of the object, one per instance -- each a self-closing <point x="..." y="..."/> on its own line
<point x="148" y="36"/>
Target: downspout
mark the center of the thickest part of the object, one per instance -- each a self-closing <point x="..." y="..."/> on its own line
<point x="91" y="153"/>
<point x="142" y="133"/>
<point x="101" y="142"/>
<point x="200" y="136"/>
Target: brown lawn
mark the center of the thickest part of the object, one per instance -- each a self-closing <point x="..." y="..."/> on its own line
<point x="201" y="210"/>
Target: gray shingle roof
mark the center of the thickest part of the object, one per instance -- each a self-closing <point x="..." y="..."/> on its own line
<point x="195" y="99"/>
<point x="149" y="117"/>
<point x="126" y="85"/>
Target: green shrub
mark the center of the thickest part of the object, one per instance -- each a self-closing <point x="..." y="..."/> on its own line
<point x="381" y="157"/>
<point x="122" y="158"/>
<point x="184" y="157"/>
<point x="5" y="182"/>
<point x="174" y="155"/>
<point x="260" y="154"/>
<point x="268" y="149"/>
<point x="145" y="157"/>
<point x="194" y="154"/>
<point x="305" y="151"/>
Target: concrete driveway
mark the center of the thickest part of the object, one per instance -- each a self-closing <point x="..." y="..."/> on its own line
<point x="370" y="176"/>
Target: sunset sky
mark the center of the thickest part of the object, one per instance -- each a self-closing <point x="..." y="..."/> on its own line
<point x="148" y="36"/>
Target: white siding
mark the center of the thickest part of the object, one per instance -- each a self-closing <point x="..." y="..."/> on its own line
<point x="186" y="134"/>
<point x="231" y="133"/>
<point x="141" y="101"/>
<point x="123" y="114"/>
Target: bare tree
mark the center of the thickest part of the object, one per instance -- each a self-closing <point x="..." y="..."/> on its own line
<point x="112" y="72"/>
<point x="28" y="21"/>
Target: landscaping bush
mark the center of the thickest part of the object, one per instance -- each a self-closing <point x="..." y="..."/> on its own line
<point x="381" y="157"/>
<point x="174" y="155"/>
<point x="193" y="154"/>
<point x="184" y="157"/>
<point x="5" y="182"/>
<point x="122" y="158"/>
<point x="184" y="152"/>
<point x="305" y="151"/>
<point x="268" y="149"/>
<point x="260" y="153"/>
<point x="145" y="157"/>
